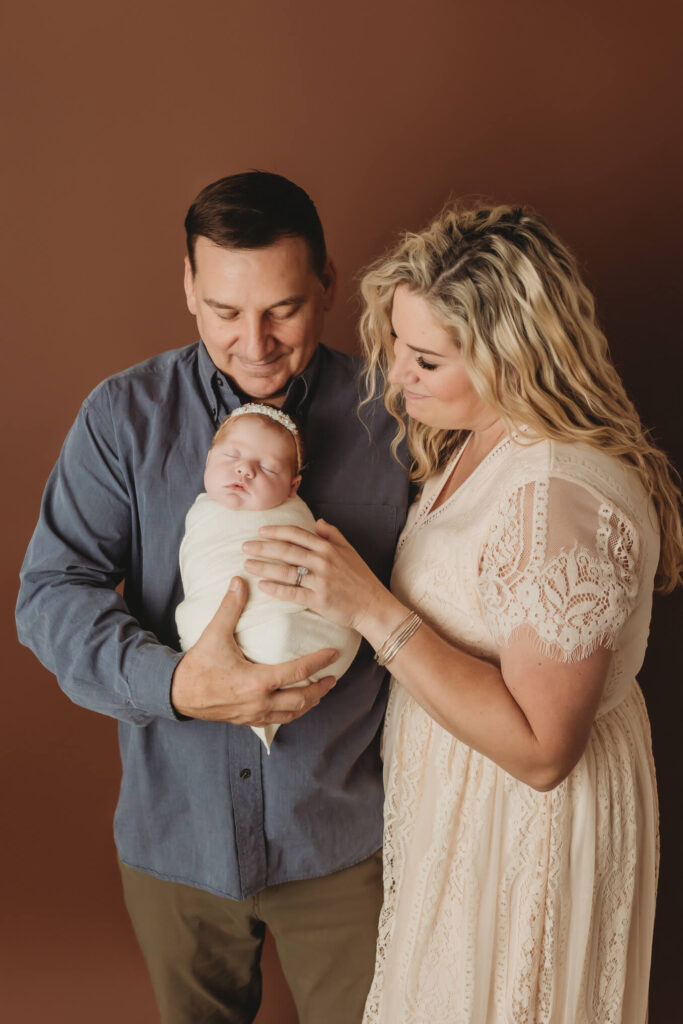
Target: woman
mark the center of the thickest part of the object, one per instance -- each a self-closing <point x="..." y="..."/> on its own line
<point x="521" y="843"/>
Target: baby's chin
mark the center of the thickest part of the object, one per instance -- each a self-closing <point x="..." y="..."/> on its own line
<point x="240" y="500"/>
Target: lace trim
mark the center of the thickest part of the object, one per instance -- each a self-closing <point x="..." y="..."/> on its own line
<point x="574" y="602"/>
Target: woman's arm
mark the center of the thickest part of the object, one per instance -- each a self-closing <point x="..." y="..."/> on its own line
<point x="532" y="716"/>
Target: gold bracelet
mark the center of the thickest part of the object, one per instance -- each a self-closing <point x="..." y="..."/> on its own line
<point x="397" y="638"/>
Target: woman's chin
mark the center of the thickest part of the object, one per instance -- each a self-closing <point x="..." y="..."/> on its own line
<point x="417" y="409"/>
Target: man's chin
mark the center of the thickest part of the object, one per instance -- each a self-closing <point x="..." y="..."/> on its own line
<point x="260" y="389"/>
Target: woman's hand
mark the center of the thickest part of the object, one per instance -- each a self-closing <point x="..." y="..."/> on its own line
<point x="337" y="585"/>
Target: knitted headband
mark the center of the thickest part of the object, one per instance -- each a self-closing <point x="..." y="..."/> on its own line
<point x="256" y="408"/>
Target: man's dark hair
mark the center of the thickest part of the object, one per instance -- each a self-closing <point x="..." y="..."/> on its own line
<point x="253" y="210"/>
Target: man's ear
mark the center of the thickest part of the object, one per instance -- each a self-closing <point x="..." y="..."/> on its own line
<point x="188" y="282"/>
<point x="329" y="280"/>
<point x="295" y="485"/>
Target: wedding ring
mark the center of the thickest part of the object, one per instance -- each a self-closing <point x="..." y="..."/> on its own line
<point x="301" y="571"/>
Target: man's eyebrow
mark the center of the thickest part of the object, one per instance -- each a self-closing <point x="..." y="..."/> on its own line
<point x="215" y="304"/>
<point x="291" y="300"/>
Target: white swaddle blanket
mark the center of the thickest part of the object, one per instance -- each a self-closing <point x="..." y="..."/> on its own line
<point x="268" y="631"/>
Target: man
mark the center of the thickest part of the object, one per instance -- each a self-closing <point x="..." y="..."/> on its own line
<point x="217" y="839"/>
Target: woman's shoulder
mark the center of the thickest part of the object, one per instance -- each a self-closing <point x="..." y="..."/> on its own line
<point x="607" y="476"/>
<point x="610" y="480"/>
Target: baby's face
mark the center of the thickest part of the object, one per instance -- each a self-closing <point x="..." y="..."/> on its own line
<point x="251" y="466"/>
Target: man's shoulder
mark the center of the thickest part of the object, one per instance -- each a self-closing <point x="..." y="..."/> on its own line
<point x="345" y="366"/>
<point x="346" y="360"/>
<point x="340" y="378"/>
<point x="150" y="378"/>
<point x="344" y="392"/>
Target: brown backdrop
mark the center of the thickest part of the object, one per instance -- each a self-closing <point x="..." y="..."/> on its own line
<point x="117" y="114"/>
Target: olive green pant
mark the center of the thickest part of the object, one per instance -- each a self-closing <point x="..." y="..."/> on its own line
<point x="203" y="951"/>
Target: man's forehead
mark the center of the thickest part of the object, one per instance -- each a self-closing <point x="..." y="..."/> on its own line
<point x="284" y="259"/>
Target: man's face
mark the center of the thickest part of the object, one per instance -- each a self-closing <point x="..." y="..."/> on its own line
<point x="259" y="312"/>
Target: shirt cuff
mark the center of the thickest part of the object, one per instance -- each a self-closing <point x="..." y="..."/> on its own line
<point x="150" y="679"/>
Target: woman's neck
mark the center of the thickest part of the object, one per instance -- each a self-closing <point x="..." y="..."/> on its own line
<point x="479" y="444"/>
<point x="484" y="440"/>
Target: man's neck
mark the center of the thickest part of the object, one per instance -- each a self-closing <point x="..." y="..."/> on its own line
<point x="277" y="399"/>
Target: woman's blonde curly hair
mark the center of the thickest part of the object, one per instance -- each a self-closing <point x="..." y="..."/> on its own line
<point x="512" y="294"/>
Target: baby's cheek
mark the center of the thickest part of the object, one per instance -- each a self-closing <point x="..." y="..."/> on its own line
<point x="211" y="483"/>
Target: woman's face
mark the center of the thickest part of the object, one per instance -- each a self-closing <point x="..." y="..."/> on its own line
<point x="429" y="368"/>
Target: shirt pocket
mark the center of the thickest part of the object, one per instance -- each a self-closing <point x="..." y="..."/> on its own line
<point x="370" y="529"/>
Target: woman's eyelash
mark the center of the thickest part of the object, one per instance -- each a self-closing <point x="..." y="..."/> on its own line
<point x="421" y="362"/>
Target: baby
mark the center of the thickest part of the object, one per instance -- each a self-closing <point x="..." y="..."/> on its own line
<point x="252" y="474"/>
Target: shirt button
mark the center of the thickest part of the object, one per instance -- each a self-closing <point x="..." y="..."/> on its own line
<point x="219" y="381"/>
<point x="245" y="773"/>
<point x="213" y="412"/>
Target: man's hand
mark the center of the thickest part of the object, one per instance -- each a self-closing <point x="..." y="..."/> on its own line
<point x="215" y="682"/>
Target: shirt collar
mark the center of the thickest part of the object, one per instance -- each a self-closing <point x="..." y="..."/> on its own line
<point x="223" y="399"/>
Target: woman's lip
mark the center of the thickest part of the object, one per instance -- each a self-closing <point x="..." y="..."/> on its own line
<point x="412" y="394"/>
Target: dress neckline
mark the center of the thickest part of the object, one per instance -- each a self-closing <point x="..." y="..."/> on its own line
<point x="428" y="509"/>
<point x="425" y="513"/>
<point x="446" y="474"/>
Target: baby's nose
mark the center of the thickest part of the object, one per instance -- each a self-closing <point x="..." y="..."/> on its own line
<point x="244" y="469"/>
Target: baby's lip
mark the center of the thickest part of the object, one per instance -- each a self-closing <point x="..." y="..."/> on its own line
<point x="235" y="487"/>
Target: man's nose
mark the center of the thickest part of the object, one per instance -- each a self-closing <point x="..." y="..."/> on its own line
<point x="255" y="341"/>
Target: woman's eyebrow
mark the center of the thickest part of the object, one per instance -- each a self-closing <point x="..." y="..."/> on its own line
<point x="416" y="348"/>
<point x="427" y="351"/>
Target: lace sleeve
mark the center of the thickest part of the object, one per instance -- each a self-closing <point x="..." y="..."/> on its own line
<point x="561" y="563"/>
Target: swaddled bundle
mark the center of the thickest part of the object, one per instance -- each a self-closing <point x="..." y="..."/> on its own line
<point x="269" y="630"/>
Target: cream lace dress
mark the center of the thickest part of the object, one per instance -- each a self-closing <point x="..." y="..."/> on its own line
<point x="503" y="905"/>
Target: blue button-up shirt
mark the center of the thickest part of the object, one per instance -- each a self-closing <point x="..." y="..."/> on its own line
<point x="201" y="802"/>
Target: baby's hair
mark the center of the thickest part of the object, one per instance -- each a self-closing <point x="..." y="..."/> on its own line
<point x="269" y="421"/>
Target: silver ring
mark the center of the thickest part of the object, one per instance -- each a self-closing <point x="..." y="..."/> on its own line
<point x="301" y="571"/>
